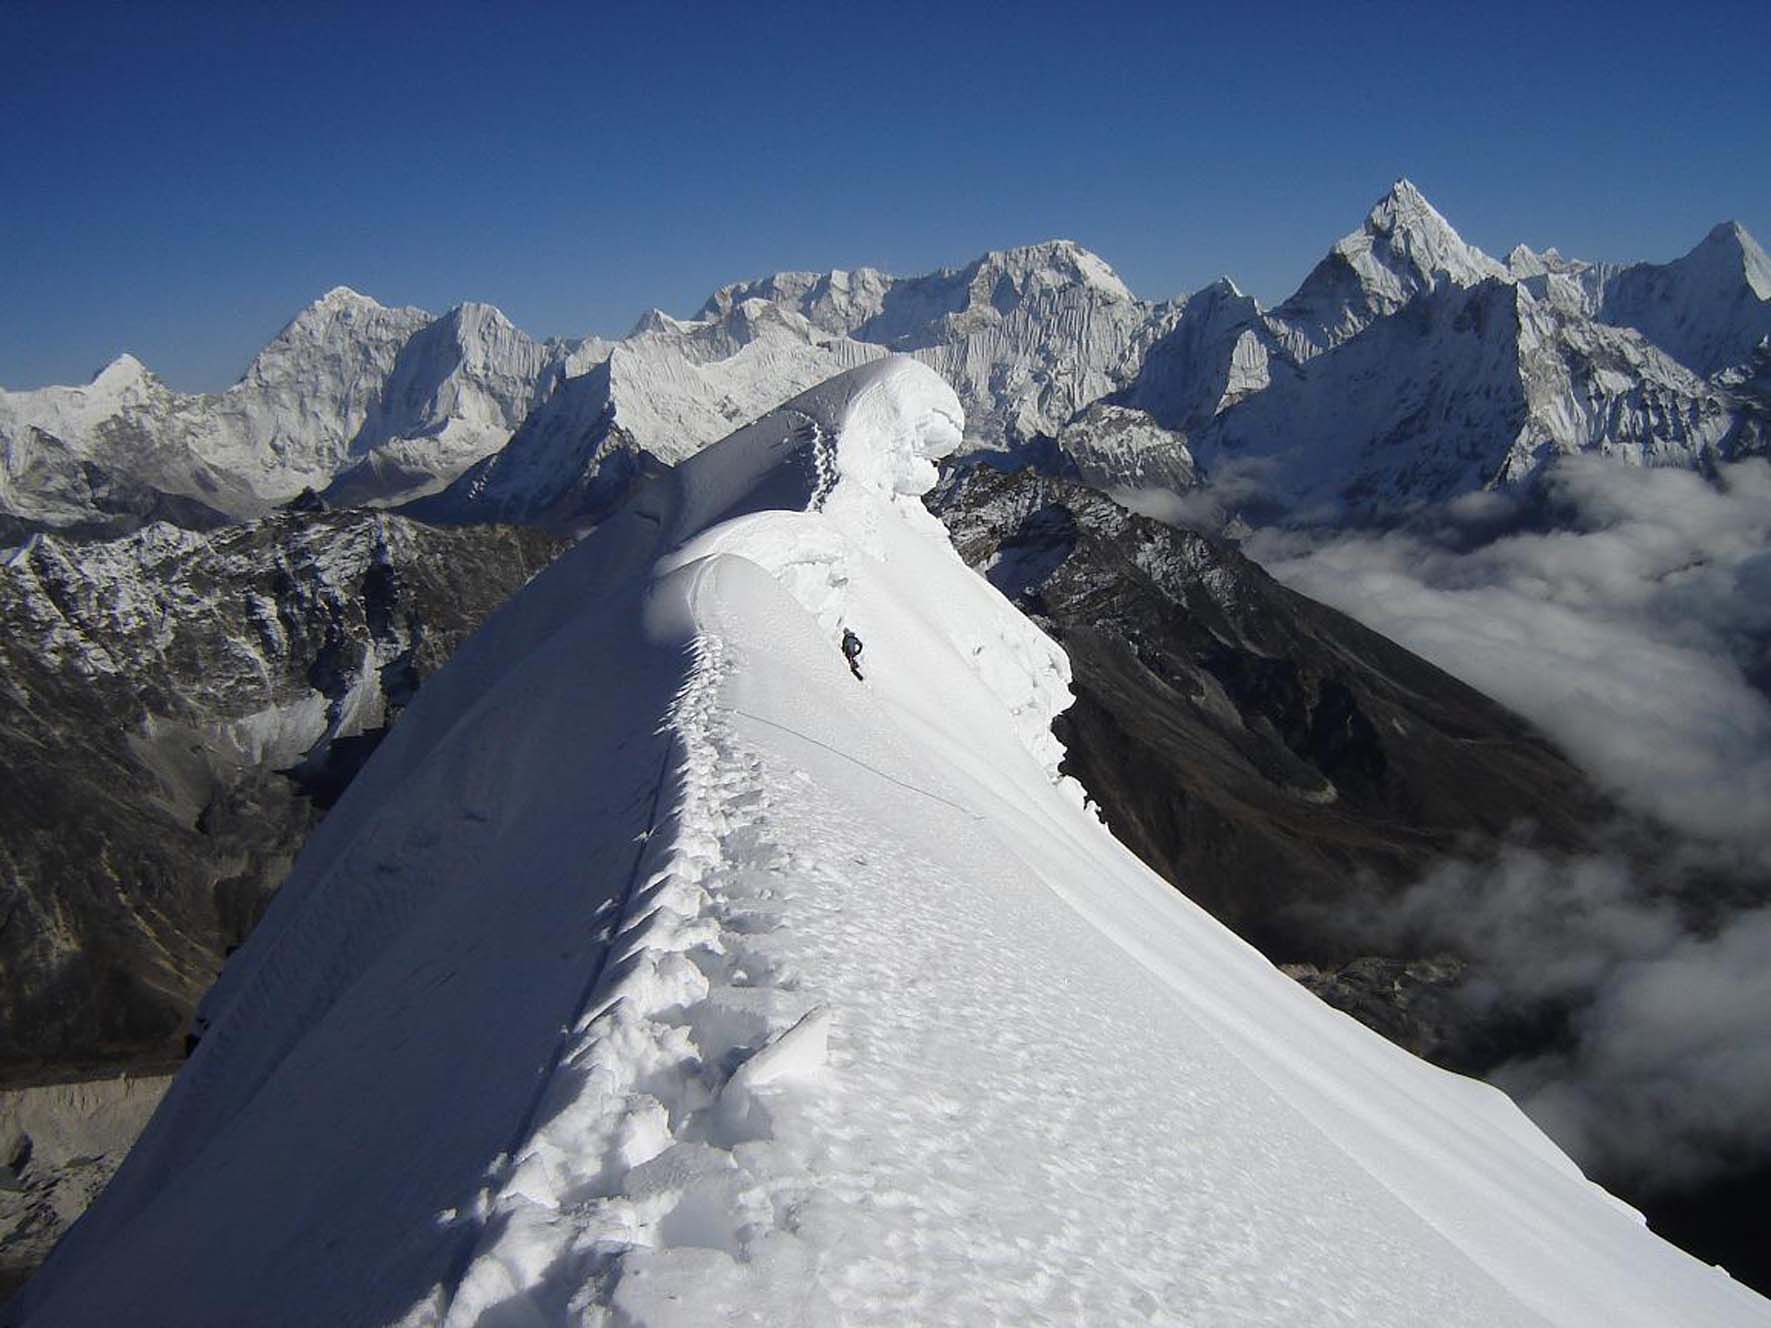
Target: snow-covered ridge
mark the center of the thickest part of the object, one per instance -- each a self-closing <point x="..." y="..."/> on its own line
<point x="658" y="970"/>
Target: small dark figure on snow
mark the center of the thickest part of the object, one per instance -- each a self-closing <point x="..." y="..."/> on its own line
<point x="851" y="650"/>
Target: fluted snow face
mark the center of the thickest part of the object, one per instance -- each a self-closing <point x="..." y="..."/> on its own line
<point x="458" y="390"/>
<point x="1043" y="332"/>
<point x="302" y="400"/>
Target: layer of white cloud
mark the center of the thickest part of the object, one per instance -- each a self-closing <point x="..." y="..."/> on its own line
<point x="1628" y="638"/>
<point x="1634" y="630"/>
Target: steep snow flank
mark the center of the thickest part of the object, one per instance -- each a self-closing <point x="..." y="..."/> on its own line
<point x="658" y="972"/>
<point x="1405" y="247"/>
<point x="1220" y="351"/>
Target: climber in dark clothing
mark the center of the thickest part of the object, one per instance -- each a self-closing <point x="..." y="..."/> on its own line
<point x="851" y="650"/>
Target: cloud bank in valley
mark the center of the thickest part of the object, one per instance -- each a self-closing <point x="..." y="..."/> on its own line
<point x="1634" y="637"/>
<point x="1634" y="630"/>
<point x="1664" y="1072"/>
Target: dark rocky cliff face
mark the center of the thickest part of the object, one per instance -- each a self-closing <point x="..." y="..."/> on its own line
<point x="1278" y="762"/>
<point x="177" y="710"/>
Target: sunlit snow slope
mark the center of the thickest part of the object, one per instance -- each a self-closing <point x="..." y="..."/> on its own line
<point x="657" y="971"/>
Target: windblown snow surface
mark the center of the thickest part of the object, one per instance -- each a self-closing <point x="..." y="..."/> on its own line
<point x="658" y="972"/>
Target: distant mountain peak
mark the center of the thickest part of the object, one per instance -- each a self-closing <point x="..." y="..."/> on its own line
<point x="1054" y="263"/>
<point x="1417" y="233"/>
<point x="475" y="310"/>
<point x="1405" y="200"/>
<point x="1403" y="247"/>
<point x="1217" y="291"/>
<point x="657" y="321"/>
<point x="1730" y="244"/>
<point x="344" y="297"/>
<point x="121" y="371"/>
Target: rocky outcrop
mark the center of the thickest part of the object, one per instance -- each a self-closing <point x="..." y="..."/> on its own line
<point x="181" y="706"/>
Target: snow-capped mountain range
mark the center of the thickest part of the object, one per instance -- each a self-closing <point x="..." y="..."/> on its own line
<point x="658" y="972"/>
<point x="377" y="401"/>
<point x="1409" y="367"/>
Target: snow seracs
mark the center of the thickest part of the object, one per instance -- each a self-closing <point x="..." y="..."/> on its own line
<point x="655" y="971"/>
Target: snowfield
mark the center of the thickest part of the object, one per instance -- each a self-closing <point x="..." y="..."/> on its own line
<point x="656" y="972"/>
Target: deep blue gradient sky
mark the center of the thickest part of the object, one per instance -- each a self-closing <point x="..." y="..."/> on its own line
<point x="177" y="180"/>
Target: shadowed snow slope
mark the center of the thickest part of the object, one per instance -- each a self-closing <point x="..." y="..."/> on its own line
<point x="657" y="971"/>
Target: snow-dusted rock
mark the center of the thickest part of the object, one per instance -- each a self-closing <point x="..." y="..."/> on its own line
<point x="1117" y="447"/>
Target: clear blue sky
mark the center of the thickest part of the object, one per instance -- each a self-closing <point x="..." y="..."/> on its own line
<point x="177" y="180"/>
